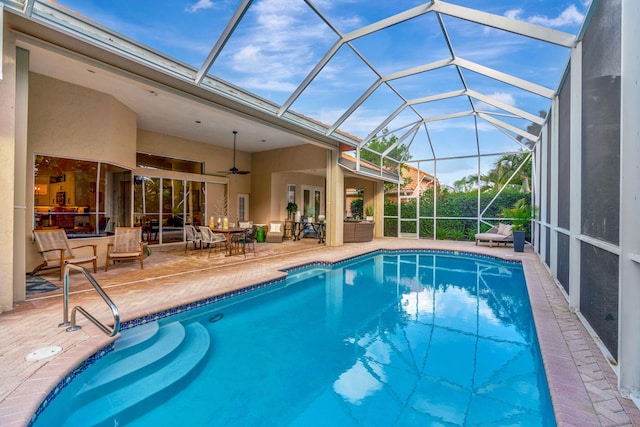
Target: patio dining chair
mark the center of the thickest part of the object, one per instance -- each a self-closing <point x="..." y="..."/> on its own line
<point x="127" y="245"/>
<point x="54" y="247"/>
<point x="211" y="239"/>
<point x="248" y="237"/>
<point x="193" y="236"/>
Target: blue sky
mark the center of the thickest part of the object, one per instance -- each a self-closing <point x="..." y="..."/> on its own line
<point x="278" y="43"/>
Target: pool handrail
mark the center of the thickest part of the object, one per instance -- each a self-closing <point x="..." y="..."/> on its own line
<point x="72" y="325"/>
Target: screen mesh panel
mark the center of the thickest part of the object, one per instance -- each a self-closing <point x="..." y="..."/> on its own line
<point x="564" y="154"/>
<point x="563" y="261"/>
<point x="547" y="256"/>
<point x="599" y="293"/>
<point x="601" y="124"/>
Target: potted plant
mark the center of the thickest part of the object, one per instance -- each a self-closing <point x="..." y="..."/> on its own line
<point x="292" y="208"/>
<point x="520" y="215"/>
<point x="368" y="211"/>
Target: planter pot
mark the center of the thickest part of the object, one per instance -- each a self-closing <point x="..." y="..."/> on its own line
<point x="518" y="240"/>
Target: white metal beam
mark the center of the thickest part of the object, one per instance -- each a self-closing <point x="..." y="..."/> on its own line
<point x="505" y="78"/>
<point x="629" y="270"/>
<point x="500" y="123"/>
<point x="312" y="75"/>
<point x="507" y="24"/>
<point x="388" y="22"/>
<point x="506" y="107"/>
<point x="223" y="39"/>
<point x="437" y="97"/>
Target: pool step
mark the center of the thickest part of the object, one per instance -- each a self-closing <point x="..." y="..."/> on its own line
<point x="111" y="397"/>
<point x="139" y="359"/>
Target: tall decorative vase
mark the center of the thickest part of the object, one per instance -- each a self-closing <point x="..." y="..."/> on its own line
<point x="518" y="240"/>
<point x="298" y="216"/>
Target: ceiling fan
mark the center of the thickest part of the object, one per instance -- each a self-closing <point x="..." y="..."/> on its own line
<point x="234" y="170"/>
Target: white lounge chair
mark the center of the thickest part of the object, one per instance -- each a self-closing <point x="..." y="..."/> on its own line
<point x="500" y="234"/>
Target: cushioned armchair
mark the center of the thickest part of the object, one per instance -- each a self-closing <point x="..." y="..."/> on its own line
<point x="275" y="234"/>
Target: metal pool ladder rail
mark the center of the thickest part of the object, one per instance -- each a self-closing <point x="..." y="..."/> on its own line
<point x="72" y="325"/>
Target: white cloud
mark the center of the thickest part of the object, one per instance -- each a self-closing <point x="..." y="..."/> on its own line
<point x="200" y="4"/>
<point x="504" y="97"/>
<point x="569" y="16"/>
<point x="280" y="47"/>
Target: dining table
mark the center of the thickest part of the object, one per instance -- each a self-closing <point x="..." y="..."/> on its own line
<point x="228" y="233"/>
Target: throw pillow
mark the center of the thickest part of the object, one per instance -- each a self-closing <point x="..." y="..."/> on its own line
<point x="274" y="228"/>
<point x="507" y="230"/>
<point x="501" y="228"/>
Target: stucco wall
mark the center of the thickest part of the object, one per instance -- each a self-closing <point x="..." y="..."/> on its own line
<point x="66" y="120"/>
<point x="274" y="169"/>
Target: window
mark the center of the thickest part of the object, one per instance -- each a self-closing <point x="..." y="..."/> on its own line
<point x="243" y="207"/>
<point x="151" y="161"/>
<point x="291" y="193"/>
<point x="82" y="197"/>
<point x="162" y="206"/>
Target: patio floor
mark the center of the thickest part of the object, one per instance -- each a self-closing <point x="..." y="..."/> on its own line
<point x="582" y="382"/>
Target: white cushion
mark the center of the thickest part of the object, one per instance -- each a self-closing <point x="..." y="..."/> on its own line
<point x="506" y="231"/>
<point x="274" y="228"/>
<point x="501" y="228"/>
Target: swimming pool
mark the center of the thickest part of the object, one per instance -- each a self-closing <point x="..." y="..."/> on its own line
<point x="392" y="338"/>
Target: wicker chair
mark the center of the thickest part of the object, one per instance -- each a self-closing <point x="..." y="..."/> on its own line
<point x="127" y="245"/>
<point x="193" y="236"/>
<point x="275" y="234"/>
<point x="54" y="247"/>
<point x="211" y="239"/>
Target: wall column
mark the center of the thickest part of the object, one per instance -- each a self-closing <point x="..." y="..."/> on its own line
<point x="334" y="200"/>
<point x="629" y="291"/>
<point x="575" y="185"/>
<point x="8" y="169"/>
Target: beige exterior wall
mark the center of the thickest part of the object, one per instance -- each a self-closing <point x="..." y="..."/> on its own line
<point x="67" y="120"/>
<point x="274" y="169"/>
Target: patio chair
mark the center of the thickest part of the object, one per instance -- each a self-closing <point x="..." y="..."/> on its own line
<point x="500" y="234"/>
<point x="127" y="245"/>
<point x="54" y="247"/>
<point x="211" y="239"/>
<point x="275" y="234"/>
<point x="245" y="239"/>
<point x="192" y="236"/>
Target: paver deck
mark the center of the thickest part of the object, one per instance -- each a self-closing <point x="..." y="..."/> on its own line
<point x="582" y="382"/>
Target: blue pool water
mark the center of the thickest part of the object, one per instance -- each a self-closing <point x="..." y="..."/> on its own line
<point x="390" y="339"/>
